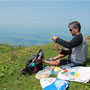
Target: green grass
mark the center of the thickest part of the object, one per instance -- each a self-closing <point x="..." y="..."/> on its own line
<point x="88" y="38"/>
<point x="12" y="61"/>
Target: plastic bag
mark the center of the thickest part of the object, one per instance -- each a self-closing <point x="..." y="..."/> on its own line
<point x="53" y="84"/>
<point x="45" y="73"/>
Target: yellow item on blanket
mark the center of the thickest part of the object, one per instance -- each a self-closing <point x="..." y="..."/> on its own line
<point x="57" y="69"/>
<point x="76" y="75"/>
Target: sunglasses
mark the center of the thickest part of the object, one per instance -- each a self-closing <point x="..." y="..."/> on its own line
<point x="70" y="29"/>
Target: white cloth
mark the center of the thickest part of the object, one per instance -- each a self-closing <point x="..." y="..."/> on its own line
<point x="78" y="74"/>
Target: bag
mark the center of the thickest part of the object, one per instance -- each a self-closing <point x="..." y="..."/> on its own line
<point x="34" y="63"/>
<point x="45" y="73"/>
<point x="53" y="84"/>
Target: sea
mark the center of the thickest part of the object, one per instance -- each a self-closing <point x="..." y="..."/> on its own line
<point x="28" y="37"/>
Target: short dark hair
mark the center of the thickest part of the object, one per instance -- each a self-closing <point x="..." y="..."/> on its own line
<point x="75" y="25"/>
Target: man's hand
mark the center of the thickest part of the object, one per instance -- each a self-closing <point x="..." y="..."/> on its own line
<point x="54" y="38"/>
<point x="58" y="48"/>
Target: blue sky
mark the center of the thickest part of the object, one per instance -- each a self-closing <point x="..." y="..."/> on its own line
<point x="49" y="15"/>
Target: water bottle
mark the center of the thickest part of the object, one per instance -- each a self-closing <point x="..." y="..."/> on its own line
<point x="33" y="65"/>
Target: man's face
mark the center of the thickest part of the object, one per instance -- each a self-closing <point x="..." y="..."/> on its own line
<point x="72" y="31"/>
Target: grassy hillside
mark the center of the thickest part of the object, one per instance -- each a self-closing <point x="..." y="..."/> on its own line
<point x="12" y="60"/>
<point x="88" y="38"/>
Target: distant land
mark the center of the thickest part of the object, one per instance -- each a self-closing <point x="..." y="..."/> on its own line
<point x="27" y="39"/>
<point x="32" y="38"/>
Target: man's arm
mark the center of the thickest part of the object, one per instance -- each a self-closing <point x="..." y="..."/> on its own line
<point x="77" y="40"/>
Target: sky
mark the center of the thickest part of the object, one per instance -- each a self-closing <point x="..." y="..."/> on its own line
<point x="43" y="15"/>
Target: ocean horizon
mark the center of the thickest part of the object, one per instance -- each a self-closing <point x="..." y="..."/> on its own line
<point x="26" y="37"/>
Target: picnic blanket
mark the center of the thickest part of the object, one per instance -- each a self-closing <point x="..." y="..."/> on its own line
<point x="78" y="74"/>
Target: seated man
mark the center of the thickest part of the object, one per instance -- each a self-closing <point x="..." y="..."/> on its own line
<point x="77" y="47"/>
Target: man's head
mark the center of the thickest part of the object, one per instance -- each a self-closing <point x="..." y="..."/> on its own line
<point x="74" y="27"/>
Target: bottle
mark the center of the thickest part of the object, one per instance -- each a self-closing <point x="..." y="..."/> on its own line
<point x="33" y="65"/>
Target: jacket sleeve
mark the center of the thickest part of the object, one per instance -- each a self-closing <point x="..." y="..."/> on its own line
<point x="77" y="40"/>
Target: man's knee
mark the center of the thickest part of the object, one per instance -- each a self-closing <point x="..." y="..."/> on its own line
<point x="66" y="49"/>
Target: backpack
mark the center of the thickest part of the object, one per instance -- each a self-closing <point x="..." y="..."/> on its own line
<point x="34" y="63"/>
